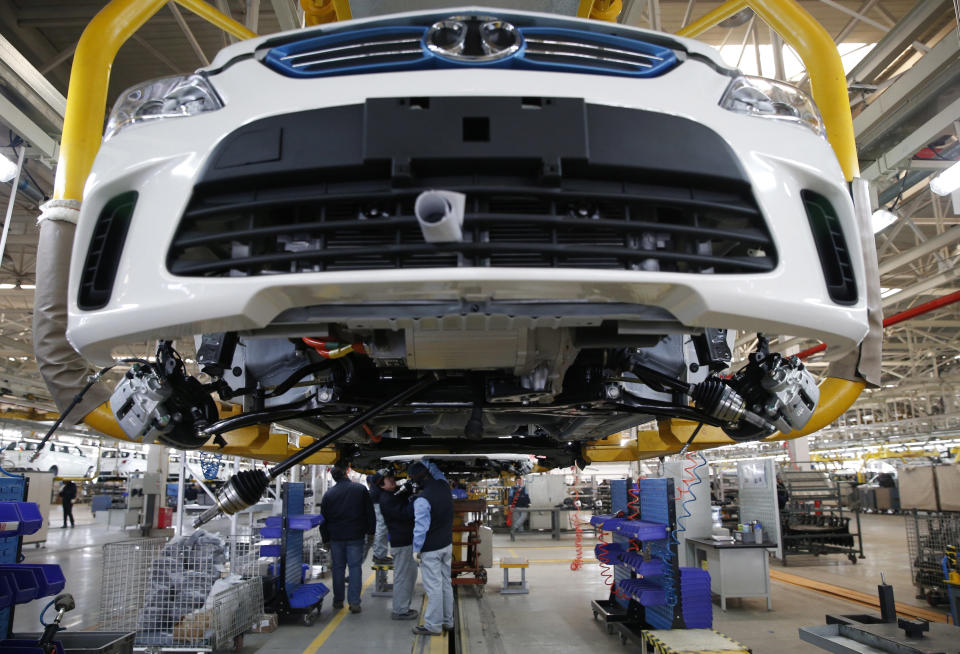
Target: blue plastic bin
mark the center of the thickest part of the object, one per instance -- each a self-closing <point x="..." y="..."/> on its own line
<point x="49" y="576"/>
<point x="307" y="595"/>
<point x="270" y="550"/>
<point x="30" y="518"/>
<point x="271" y="532"/>
<point x="6" y="594"/>
<point x="22" y="582"/>
<point x="305" y="521"/>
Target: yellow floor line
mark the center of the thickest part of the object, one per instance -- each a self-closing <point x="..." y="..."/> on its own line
<point x="436" y="644"/>
<point x="334" y="623"/>
<point x="512" y="553"/>
<point x="464" y="641"/>
<point x="856" y="596"/>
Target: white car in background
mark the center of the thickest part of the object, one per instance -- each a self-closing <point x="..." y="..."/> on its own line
<point x="564" y="219"/>
<point x="131" y="463"/>
<point x="60" y="459"/>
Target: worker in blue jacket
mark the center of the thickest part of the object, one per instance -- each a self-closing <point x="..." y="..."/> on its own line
<point x="348" y="517"/>
<point x="433" y="546"/>
<point x="396" y="506"/>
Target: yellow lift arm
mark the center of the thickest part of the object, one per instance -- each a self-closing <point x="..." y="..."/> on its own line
<point x="120" y="19"/>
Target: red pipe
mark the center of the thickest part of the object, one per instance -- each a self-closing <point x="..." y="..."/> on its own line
<point x="918" y="310"/>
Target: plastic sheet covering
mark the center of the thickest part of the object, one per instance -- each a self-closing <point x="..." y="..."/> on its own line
<point x="63" y="370"/>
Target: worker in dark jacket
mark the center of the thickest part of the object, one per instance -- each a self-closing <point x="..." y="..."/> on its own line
<point x="67" y="495"/>
<point x="433" y="546"/>
<point x="348" y="517"/>
<point x="396" y="506"/>
<point x="380" y="551"/>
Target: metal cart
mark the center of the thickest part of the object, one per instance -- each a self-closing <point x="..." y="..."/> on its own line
<point x="928" y="535"/>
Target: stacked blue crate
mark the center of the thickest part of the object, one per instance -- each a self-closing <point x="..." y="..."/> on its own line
<point x="21" y="582"/>
<point x="695" y="598"/>
<point x="300" y="596"/>
<point x="656" y="505"/>
<point x="618" y="504"/>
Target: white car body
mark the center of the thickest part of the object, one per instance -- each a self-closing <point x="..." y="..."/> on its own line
<point x="774" y="161"/>
<point x="132" y="463"/>
<point x="64" y="460"/>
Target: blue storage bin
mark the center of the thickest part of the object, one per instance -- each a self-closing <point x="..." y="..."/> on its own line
<point x="274" y="521"/>
<point x="640" y="530"/>
<point x="598" y="520"/>
<point x="271" y="532"/>
<point x="307" y="595"/>
<point x="22" y="582"/>
<point x="305" y="521"/>
<point x="30" y="518"/>
<point x="49" y="576"/>
<point x="6" y="594"/>
<point x="270" y="550"/>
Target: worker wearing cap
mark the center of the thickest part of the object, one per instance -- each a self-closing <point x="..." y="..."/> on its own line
<point x="433" y="546"/>
<point x="380" y="547"/>
<point x="348" y="517"/>
<point x="397" y="510"/>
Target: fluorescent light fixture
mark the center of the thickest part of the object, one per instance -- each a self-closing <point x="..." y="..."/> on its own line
<point x="887" y="292"/>
<point x="7" y="287"/>
<point x="28" y="287"/>
<point x="947" y="181"/>
<point x="883" y="219"/>
<point x="8" y="169"/>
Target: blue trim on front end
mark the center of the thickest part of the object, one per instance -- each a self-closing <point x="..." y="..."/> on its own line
<point x="428" y="60"/>
<point x="667" y="56"/>
<point x="274" y="58"/>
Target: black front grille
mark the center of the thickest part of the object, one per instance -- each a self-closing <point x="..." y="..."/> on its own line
<point x="103" y="254"/>
<point x="831" y="247"/>
<point x="509" y="223"/>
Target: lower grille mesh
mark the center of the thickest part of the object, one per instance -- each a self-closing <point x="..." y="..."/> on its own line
<point x="581" y="224"/>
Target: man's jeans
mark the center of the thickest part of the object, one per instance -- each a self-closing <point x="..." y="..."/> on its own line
<point x="380" y="536"/>
<point x="435" y="572"/>
<point x="347" y="553"/>
<point x="519" y="518"/>
<point x="404" y="578"/>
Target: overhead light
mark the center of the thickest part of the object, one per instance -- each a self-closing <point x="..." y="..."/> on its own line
<point x="7" y="287"/>
<point x="887" y="292"/>
<point x="947" y="181"/>
<point x="8" y="168"/>
<point x="28" y="287"/>
<point x="883" y="219"/>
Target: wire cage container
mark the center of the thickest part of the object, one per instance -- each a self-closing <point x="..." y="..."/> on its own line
<point x="195" y="593"/>
<point x="928" y="535"/>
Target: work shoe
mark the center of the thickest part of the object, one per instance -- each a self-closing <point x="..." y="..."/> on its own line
<point x="448" y="627"/>
<point x="409" y="614"/>
<point x="338" y="604"/>
<point x="383" y="560"/>
<point x="355" y="608"/>
<point x="420" y="630"/>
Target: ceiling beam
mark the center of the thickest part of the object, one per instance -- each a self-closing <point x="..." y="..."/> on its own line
<point x="907" y="30"/>
<point x="927" y="247"/>
<point x="187" y="32"/>
<point x="22" y="76"/>
<point x="893" y="159"/>
<point x="935" y="72"/>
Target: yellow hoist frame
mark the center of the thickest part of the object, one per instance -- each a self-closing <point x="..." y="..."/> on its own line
<point x="120" y="19"/>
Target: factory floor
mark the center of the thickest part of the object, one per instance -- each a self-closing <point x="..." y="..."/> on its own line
<point x="555" y="614"/>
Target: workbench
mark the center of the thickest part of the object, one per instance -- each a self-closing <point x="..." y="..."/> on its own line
<point x="736" y="569"/>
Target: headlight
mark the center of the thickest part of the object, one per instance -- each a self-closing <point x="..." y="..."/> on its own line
<point x="767" y="98"/>
<point x="167" y="97"/>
